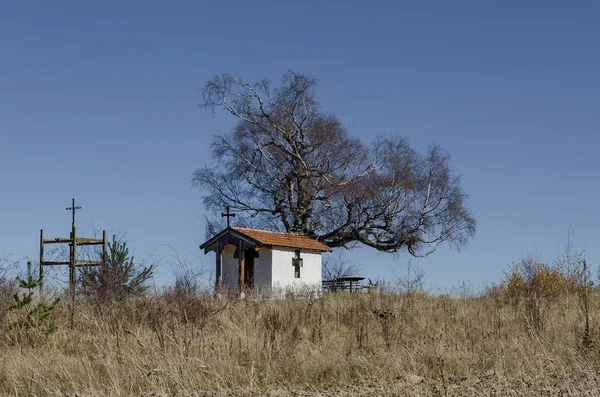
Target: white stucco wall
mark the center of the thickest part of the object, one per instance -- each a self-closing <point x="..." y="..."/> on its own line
<point x="229" y="268"/>
<point x="262" y="269"/>
<point x="273" y="269"/>
<point x="283" y="270"/>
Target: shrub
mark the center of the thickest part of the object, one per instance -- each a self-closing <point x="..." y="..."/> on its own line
<point x="26" y="315"/>
<point x="119" y="277"/>
<point x="538" y="285"/>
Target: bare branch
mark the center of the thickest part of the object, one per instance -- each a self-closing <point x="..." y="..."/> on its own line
<point x="294" y="167"/>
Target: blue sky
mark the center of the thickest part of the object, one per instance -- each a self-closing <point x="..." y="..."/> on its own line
<point x="99" y="101"/>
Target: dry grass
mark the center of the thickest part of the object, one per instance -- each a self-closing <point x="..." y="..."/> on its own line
<point x="181" y="345"/>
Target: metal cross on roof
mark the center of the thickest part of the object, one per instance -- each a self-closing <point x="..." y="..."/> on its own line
<point x="228" y="215"/>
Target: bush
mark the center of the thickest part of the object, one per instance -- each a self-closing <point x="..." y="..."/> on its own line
<point x="27" y="316"/>
<point x="119" y="277"/>
<point x="537" y="284"/>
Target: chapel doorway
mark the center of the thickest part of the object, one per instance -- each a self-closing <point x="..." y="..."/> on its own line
<point x="249" y="268"/>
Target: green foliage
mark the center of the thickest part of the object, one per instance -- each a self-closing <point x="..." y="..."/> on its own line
<point x="28" y="316"/>
<point x="119" y="277"/>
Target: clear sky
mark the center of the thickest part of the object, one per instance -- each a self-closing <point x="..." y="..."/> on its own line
<point x="99" y="101"/>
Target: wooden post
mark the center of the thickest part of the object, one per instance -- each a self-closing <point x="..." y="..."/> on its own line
<point x="241" y="260"/>
<point x="104" y="247"/>
<point x="242" y="268"/>
<point x="41" y="274"/>
<point x="218" y="269"/>
<point x="73" y="241"/>
<point x="72" y="264"/>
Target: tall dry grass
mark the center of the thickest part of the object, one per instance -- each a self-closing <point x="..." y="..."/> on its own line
<point x="181" y="343"/>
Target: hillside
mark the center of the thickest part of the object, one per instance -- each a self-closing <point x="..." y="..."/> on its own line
<point x="178" y="344"/>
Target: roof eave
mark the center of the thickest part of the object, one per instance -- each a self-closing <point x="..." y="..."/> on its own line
<point x="208" y="245"/>
<point x="328" y="249"/>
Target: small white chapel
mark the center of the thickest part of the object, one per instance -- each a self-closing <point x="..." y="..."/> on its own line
<point x="264" y="260"/>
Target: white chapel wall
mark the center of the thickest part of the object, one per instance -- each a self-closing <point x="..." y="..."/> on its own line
<point x="262" y="269"/>
<point x="283" y="270"/>
<point x="229" y="268"/>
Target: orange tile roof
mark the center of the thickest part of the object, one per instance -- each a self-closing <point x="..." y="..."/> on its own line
<point x="291" y="240"/>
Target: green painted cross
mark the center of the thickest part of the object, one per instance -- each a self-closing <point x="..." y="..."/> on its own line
<point x="297" y="263"/>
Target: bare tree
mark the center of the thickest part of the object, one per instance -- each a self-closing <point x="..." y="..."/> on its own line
<point x="570" y="257"/>
<point x="413" y="282"/>
<point x="337" y="265"/>
<point x="289" y="165"/>
<point x="573" y="265"/>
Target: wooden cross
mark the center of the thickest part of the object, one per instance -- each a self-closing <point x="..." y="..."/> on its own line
<point x="228" y="215"/>
<point x="73" y="208"/>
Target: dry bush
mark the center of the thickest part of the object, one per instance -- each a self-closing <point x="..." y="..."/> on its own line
<point x="538" y="285"/>
<point x="8" y="287"/>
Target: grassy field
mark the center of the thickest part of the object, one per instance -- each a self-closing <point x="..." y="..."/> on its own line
<point x="178" y="344"/>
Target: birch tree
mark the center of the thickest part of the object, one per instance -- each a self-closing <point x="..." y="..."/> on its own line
<point x="289" y="165"/>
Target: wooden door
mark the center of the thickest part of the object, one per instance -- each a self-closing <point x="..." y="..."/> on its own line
<point x="249" y="269"/>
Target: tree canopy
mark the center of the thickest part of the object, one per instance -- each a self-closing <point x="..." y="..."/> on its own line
<point x="289" y="165"/>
